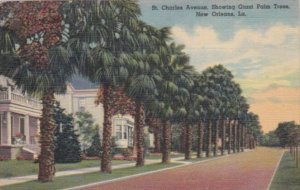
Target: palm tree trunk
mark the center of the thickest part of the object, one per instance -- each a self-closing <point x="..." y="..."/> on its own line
<point x="107" y="130"/>
<point x="182" y="138"/>
<point x="242" y="139"/>
<point x="246" y="139"/>
<point x="250" y="142"/>
<point x="200" y="139"/>
<point x="217" y="123"/>
<point x="156" y="138"/>
<point x="188" y="142"/>
<point x="235" y="135"/>
<point x="238" y="137"/>
<point x="166" y="142"/>
<point x="209" y="135"/>
<point x="223" y="136"/>
<point x="297" y="156"/>
<point x="46" y="158"/>
<point x="229" y="136"/>
<point x="139" y="125"/>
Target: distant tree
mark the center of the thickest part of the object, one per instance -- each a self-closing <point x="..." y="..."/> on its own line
<point x="114" y="146"/>
<point x="67" y="146"/>
<point x="283" y="132"/>
<point x="177" y="141"/>
<point x="270" y="139"/>
<point x="95" y="148"/>
<point x="146" y="143"/>
<point x="86" y="129"/>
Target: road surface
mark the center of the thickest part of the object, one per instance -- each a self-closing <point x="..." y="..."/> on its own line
<point x="251" y="170"/>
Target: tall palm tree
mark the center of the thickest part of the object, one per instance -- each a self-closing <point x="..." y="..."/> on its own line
<point x="104" y="52"/>
<point x="142" y="85"/>
<point x="36" y="58"/>
<point x="201" y="107"/>
<point x="184" y="77"/>
<point x="171" y="92"/>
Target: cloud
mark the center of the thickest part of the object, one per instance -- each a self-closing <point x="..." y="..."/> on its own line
<point x="256" y="57"/>
<point x="277" y="94"/>
<point x="264" y="61"/>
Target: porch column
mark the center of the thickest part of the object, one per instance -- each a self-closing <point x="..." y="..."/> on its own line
<point x="26" y="127"/>
<point x="9" y="92"/>
<point x="38" y="126"/>
<point x="8" y="126"/>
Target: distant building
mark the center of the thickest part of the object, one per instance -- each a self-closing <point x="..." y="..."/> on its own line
<point x="81" y="96"/>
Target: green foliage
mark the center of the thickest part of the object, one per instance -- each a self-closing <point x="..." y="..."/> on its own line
<point x="86" y="129"/>
<point x="95" y="148"/>
<point x="252" y="124"/>
<point x="270" y="139"/>
<point x="176" y="138"/>
<point x="114" y="146"/>
<point x="67" y="146"/>
<point x="288" y="133"/>
<point x="146" y="143"/>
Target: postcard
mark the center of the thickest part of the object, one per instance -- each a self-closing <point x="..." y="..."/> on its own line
<point x="150" y="94"/>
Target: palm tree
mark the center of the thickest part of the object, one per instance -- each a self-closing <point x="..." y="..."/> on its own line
<point x="171" y="92"/>
<point x="201" y="107"/>
<point x="216" y="86"/>
<point x="253" y="128"/>
<point x="104" y="53"/>
<point x="34" y="56"/>
<point x="143" y="84"/>
<point x="183" y="78"/>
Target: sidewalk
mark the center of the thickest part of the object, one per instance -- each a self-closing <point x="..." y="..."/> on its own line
<point x="21" y="179"/>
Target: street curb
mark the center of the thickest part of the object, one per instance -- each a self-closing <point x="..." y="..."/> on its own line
<point x="275" y="171"/>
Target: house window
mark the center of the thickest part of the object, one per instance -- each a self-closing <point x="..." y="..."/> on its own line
<point x="12" y="126"/>
<point x="125" y="132"/>
<point x="81" y="104"/>
<point x="130" y="136"/>
<point x="22" y="125"/>
<point x="118" y="132"/>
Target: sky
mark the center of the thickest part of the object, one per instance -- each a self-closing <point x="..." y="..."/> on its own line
<point x="261" y="49"/>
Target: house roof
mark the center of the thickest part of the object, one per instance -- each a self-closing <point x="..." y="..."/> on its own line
<point x="79" y="82"/>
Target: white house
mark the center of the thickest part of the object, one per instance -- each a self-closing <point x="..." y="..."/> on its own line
<point x="81" y="96"/>
<point x="19" y="122"/>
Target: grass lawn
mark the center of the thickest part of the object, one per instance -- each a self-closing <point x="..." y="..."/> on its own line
<point x="158" y="156"/>
<point x="196" y="159"/>
<point x="287" y="176"/>
<point x="77" y="180"/>
<point x="14" y="168"/>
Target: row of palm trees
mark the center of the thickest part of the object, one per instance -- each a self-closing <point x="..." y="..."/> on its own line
<point x="107" y="42"/>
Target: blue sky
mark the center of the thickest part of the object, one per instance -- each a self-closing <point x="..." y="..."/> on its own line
<point x="261" y="49"/>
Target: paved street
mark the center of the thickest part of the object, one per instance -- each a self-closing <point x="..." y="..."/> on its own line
<point x="245" y="171"/>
